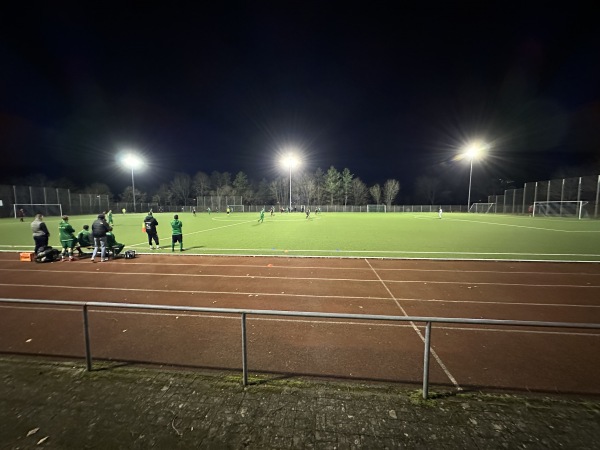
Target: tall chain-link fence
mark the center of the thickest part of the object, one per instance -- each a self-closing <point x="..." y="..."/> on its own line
<point x="576" y="189"/>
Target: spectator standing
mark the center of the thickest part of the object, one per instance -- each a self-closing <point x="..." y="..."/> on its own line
<point x="40" y="232"/>
<point x="177" y="234"/>
<point x="99" y="229"/>
<point x="150" y="224"/>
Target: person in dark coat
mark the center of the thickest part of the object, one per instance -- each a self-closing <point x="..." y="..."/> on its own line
<point x="99" y="229"/>
<point x="150" y="224"/>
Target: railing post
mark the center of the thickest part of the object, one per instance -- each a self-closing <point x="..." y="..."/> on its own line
<point x="86" y="334"/>
<point x="426" y="352"/>
<point x="244" y="352"/>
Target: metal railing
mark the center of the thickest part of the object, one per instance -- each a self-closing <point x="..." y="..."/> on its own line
<point x="244" y="313"/>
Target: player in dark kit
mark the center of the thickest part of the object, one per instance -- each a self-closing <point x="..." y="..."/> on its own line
<point x="150" y="223"/>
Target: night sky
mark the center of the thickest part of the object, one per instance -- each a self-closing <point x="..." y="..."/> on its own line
<point x="387" y="91"/>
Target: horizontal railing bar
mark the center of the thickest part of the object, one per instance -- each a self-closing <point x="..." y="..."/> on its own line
<point x="268" y="312"/>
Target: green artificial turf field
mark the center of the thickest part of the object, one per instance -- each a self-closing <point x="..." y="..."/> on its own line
<point x="391" y="235"/>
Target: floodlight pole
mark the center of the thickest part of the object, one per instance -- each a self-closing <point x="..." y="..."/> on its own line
<point x="290" y="162"/>
<point x="470" y="177"/>
<point x="133" y="188"/>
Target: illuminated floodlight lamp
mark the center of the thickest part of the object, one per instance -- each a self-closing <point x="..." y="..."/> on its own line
<point x="473" y="151"/>
<point x="290" y="161"/>
<point x="132" y="161"/>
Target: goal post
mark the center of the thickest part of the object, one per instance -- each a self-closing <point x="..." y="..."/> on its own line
<point x="31" y="209"/>
<point x="376" y="208"/>
<point x="236" y="208"/>
<point x="558" y="208"/>
<point x="483" y="208"/>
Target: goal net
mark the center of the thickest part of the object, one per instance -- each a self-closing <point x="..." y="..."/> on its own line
<point x="567" y="208"/>
<point x="31" y="209"/>
<point x="236" y="208"/>
<point x="376" y="208"/>
<point x="483" y="208"/>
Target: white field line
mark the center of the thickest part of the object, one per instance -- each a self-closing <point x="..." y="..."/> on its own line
<point x="523" y="226"/>
<point x="262" y="277"/>
<point x="433" y="352"/>
<point x="307" y="296"/>
<point x="364" y="323"/>
<point x="202" y="231"/>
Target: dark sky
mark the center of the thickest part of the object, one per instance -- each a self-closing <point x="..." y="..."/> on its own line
<point x="388" y="91"/>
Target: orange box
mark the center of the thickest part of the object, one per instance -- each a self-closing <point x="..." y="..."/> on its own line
<point x="27" y="256"/>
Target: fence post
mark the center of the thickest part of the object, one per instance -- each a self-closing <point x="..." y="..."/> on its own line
<point x="426" y="352"/>
<point x="86" y="334"/>
<point x="244" y="352"/>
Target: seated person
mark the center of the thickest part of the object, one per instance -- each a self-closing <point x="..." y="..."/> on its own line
<point x="112" y="245"/>
<point x="85" y="237"/>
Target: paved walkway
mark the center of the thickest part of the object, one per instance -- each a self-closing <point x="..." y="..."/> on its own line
<point x="49" y="404"/>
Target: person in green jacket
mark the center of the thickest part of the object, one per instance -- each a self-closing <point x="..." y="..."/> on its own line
<point x="177" y="234"/>
<point x="112" y="244"/>
<point x="85" y="237"/>
<point x="67" y="239"/>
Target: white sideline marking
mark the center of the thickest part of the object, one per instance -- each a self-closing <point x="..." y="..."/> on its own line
<point x="523" y="226"/>
<point x="433" y="352"/>
<point x="362" y="323"/>
<point x="262" y="277"/>
<point x="308" y="296"/>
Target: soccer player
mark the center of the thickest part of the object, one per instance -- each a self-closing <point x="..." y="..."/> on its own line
<point x="194" y="211"/>
<point x="208" y="210"/>
<point x="110" y="218"/>
<point x="150" y="223"/>
<point x="262" y="215"/>
<point x="21" y="214"/>
<point x="440" y="213"/>
<point x="67" y="239"/>
<point x="177" y="234"/>
<point x="272" y="211"/>
<point x="113" y="245"/>
<point x="307" y="212"/>
<point x="228" y="210"/>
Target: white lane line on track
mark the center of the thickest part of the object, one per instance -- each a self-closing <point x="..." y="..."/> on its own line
<point x="433" y="352"/>
<point x="363" y="269"/>
<point x="364" y="323"/>
<point x="287" y="295"/>
<point x="262" y="277"/>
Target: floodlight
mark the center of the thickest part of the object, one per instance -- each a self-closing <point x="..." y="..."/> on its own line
<point x="132" y="161"/>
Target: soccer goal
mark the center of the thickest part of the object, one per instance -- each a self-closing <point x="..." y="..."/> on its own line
<point x="376" y="208"/>
<point x="31" y="209"/>
<point x="483" y="208"/>
<point x="566" y="208"/>
<point x="236" y="208"/>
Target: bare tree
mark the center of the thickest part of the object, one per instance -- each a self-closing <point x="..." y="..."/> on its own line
<point x="360" y="192"/>
<point x="375" y="192"/>
<point x="201" y="184"/>
<point x="181" y="187"/>
<point x="390" y="191"/>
